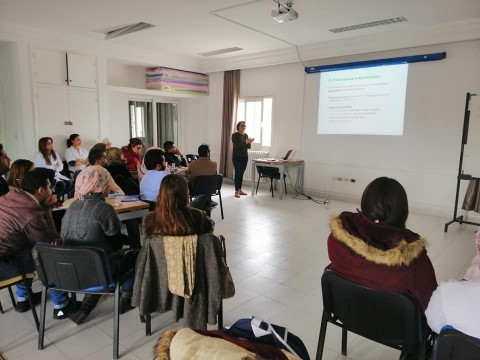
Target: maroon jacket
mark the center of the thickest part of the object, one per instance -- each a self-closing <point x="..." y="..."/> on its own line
<point x="381" y="257"/>
<point x="132" y="158"/>
<point x="23" y="222"/>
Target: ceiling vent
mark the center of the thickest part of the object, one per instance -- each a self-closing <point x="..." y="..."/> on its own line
<point x="369" y="24"/>
<point x="127" y="30"/>
<point x="220" y="51"/>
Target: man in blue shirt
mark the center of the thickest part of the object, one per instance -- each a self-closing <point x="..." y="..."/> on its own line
<point x="156" y="170"/>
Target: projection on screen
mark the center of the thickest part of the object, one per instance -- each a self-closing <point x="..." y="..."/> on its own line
<point x="363" y="101"/>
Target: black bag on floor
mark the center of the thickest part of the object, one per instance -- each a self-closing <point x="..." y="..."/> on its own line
<point x="261" y="331"/>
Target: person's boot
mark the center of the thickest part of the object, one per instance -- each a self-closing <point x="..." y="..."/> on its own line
<point x="126" y="303"/>
<point x="23" y="306"/>
<point x="88" y="304"/>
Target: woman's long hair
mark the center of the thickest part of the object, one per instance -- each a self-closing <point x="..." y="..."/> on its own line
<point x="71" y="138"/>
<point x="173" y="214"/>
<point x="385" y="201"/>
<point x="114" y="155"/>
<point x="42" y="147"/>
<point x="18" y="169"/>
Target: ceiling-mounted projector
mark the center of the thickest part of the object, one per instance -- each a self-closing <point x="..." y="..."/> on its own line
<point x="284" y="12"/>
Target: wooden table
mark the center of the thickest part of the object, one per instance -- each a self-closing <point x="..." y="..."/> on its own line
<point x="280" y="165"/>
<point x="125" y="211"/>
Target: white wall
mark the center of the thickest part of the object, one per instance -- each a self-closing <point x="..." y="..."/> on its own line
<point x="424" y="159"/>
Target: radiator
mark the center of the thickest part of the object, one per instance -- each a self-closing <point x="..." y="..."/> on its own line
<point x="248" y="176"/>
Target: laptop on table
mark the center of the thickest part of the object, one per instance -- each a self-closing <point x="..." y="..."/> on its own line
<point x="285" y="158"/>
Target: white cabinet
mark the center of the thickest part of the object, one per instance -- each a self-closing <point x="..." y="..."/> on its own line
<point x="63" y="68"/>
<point x="61" y="112"/>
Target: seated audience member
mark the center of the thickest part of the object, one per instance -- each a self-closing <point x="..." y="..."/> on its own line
<point x="98" y="157"/>
<point x="48" y="158"/>
<point x="454" y="302"/>
<point x="117" y="169"/>
<point x="174" y="215"/>
<point x="18" y="169"/>
<point x="75" y="156"/>
<point x="156" y="171"/>
<point x="107" y="142"/>
<point x="4" y="168"/>
<point x="173" y="155"/>
<point x="202" y="166"/>
<point x="25" y="218"/>
<point x="132" y="154"/>
<point x="374" y="248"/>
<point x="99" y="146"/>
<point x="89" y="220"/>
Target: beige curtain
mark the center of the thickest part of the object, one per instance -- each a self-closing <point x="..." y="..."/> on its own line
<point x="231" y="91"/>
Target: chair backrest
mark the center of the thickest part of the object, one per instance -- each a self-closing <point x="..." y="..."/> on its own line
<point x="452" y="344"/>
<point x="73" y="268"/>
<point x="392" y="319"/>
<point x="268" y="171"/>
<point x="207" y="184"/>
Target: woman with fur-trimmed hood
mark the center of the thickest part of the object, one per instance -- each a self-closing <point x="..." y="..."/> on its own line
<point x="372" y="247"/>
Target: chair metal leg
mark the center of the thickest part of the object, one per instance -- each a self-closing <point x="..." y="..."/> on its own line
<point x="43" y="307"/>
<point x="220" y="316"/>
<point x="30" y="300"/>
<point x="321" y="337"/>
<point x="148" y="324"/>
<point x="1" y="308"/>
<point x="221" y="204"/>
<point x="28" y="288"/>
<point x="271" y="186"/>
<point x="258" y="183"/>
<point x="344" y="342"/>
<point x="11" y="296"/>
<point x="285" y="184"/>
<point x="116" y="322"/>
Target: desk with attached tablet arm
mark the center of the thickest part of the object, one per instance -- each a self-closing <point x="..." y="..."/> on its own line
<point x="125" y="210"/>
<point x="280" y="165"/>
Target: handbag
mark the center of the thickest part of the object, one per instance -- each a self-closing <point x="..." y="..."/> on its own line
<point x="257" y="330"/>
<point x="227" y="280"/>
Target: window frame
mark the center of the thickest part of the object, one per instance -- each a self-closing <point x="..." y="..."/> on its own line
<point x="258" y="144"/>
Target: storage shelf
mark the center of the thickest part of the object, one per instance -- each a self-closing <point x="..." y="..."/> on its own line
<point x="154" y="93"/>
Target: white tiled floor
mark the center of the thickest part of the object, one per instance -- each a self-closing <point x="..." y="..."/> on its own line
<point x="276" y="252"/>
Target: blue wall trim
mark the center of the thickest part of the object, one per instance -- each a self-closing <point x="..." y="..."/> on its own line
<point x="378" y="62"/>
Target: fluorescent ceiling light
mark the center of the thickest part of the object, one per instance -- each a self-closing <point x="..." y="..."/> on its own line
<point x="127" y="30"/>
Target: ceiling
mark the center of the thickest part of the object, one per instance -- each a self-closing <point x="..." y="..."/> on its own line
<point x="190" y="27"/>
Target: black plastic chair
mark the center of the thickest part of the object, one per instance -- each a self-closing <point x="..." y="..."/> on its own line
<point x="272" y="174"/>
<point x="77" y="269"/>
<point x="452" y="344"/>
<point x="394" y="320"/>
<point x="20" y="279"/>
<point x="207" y="185"/>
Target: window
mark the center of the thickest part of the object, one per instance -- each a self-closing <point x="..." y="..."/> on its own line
<point x="257" y="113"/>
<point x="141" y="121"/>
<point x="153" y="132"/>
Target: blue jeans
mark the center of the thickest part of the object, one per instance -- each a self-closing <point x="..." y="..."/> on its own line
<point x="9" y="269"/>
<point x="239" y="164"/>
<point x="59" y="298"/>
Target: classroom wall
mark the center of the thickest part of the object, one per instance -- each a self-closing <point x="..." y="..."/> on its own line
<point x="425" y="159"/>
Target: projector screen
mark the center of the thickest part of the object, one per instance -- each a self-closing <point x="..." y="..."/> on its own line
<point x="363" y="101"/>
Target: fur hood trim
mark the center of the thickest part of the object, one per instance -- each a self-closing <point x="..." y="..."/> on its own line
<point x="403" y="254"/>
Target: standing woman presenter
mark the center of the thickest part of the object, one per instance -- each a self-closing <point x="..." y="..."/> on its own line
<point x="241" y="144"/>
